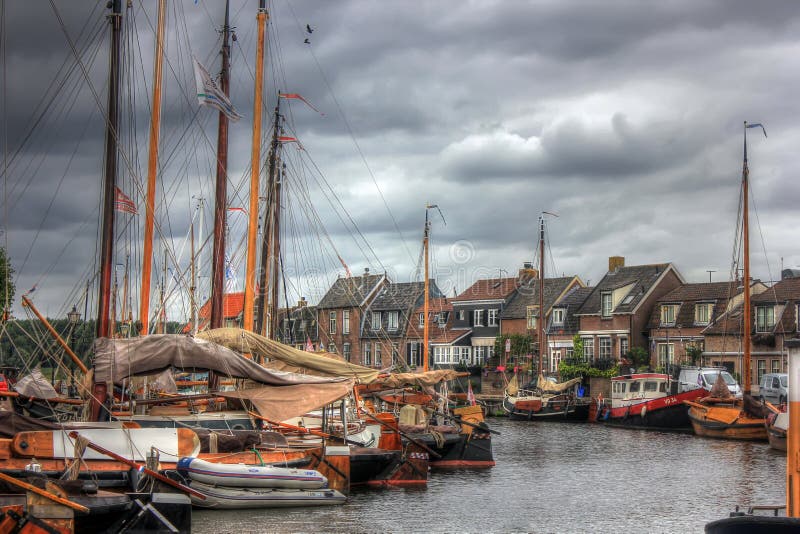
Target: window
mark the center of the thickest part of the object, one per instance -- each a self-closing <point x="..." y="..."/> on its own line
<point x="765" y="318"/>
<point x="702" y="313"/>
<point x="569" y="353"/>
<point x="413" y="353"/>
<point x="366" y="354"/>
<point x="332" y="322"/>
<point x="605" y="304"/>
<point x="442" y="318"/>
<point x="776" y="366"/>
<point x="761" y="365"/>
<point x="345" y="321"/>
<point x="605" y="348"/>
<point x="623" y="347"/>
<point x="376" y="320"/>
<point x="422" y="320"/>
<point x="490" y="352"/>
<point x="558" y="317"/>
<point x="666" y="354"/>
<point x="302" y="327"/>
<point x="393" y="316"/>
<point x="668" y="312"/>
<point x="346" y="351"/>
<point x="477" y="316"/>
<point x="635" y="387"/>
<point x="492" y="318"/>
<point x="395" y="352"/>
<point x="332" y="347"/>
<point x="588" y="349"/>
<point x="480" y="355"/>
<point x="532" y="312"/>
<point x="378" y="359"/>
<point x="651" y="386"/>
<point x="461" y="315"/>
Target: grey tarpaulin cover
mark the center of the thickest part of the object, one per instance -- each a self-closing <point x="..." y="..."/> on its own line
<point x="35" y="385"/>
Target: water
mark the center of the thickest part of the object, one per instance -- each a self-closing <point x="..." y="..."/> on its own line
<point x="552" y="478"/>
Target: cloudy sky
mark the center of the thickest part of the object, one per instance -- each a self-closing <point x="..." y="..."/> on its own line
<point x="624" y="119"/>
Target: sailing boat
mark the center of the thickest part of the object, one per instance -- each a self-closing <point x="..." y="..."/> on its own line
<point x="544" y="400"/>
<point x="720" y="415"/>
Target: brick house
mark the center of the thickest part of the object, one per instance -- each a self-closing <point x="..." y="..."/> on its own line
<point x="298" y="326"/>
<point x="521" y="312"/>
<point x="478" y="310"/>
<point x="564" y="323"/>
<point x="680" y="317"/>
<point x="449" y="344"/>
<point x="774" y="320"/>
<point x="616" y="314"/>
<point x="387" y="318"/>
<point x="232" y="313"/>
<point x="340" y="313"/>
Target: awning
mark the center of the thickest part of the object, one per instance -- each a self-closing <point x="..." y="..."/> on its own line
<point x="285" y="402"/>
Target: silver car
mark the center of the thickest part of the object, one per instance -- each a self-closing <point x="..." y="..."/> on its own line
<point x="774" y="387"/>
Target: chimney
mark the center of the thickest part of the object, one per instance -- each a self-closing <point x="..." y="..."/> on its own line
<point x="615" y="262"/>
<point x="302" y="302"/>
<point x="527" y="273"/>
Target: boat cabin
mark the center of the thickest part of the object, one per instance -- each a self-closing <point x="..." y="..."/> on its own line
<point x="636" y="388"/>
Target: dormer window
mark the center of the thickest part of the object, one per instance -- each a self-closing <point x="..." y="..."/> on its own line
<point x="393" y="319"/>
<point x="421" y="320"/>
<point x="765" y="318"/>
<point x="478" y="317"/>
<point x="492" y="317"/>
<point x="376" y="320"/>
<point x="668" y="313"/>
<point x="702" y="313"/>
<point x="605" y="304"/>
<point x="558" y="316"/>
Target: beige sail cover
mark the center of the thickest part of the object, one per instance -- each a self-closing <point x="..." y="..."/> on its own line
<point x="284" y="402"/>
<point x="117" y="359"/>
<point x="429" y="378"/>
<point x="549" y="387"/>
<point x="248" y="342"/>
<point x="513" y="386"/>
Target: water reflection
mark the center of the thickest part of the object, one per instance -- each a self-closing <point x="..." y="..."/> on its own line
<point x="554" y="478"/>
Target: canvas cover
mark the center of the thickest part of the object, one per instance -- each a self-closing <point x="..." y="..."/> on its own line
<point x="549" y="387"/>
<point x="244" y="341"/>
<point x="117" y="359"/>
<point x="430" y="378"/>
<point x="35" y="385"/>
<point x="513" y="386"/>
<point x="281" y="403"/>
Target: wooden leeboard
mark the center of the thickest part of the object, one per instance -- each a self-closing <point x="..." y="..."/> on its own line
<point x="723" y="415"/>
<point x="131" y="443"/>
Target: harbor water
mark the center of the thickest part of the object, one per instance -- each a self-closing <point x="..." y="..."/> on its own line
<point x="552" y="478"/>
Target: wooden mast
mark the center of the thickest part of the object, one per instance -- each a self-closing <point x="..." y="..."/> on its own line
<point x="99" y="389"/>
<point x="152" y="170"/>
<point x="255" y="168"/>
<point x="540" y="323"/>
<point x="275" y="265"/>
<point x="746" y="254"/>
<point x="425" y="306"/>
<point x="221" y="191"/>
<point x="267" y="230"/>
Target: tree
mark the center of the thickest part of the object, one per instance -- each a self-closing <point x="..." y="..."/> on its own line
<point x="577" y="348"/>
<point x="638" y="357"/>
<point x="520" y="344"/>
<point x="693" y="353"/>
<point x="7" y="288"/>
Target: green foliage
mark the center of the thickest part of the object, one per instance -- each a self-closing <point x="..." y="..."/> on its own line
<point x="7" y="288"/>
<point x="577" y="347"/>
<point x="693" y="353"/>
<point x="638" y="357"/>
<point x="573" y="369"/>
<point x="520" y="344"/>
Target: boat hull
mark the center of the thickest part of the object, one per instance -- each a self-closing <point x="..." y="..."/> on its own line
<point x="743" y="428"/>
<point x="473" y="450"/>
<point x="223" y="498"/>
<point x="668" y="412"/>
<point x="554" y="409"/>
<point x="250" y="476"/>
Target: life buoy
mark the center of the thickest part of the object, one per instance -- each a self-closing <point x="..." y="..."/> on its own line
<point x="643" y="412"/>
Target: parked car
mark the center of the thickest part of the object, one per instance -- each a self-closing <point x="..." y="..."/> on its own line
<point x="774" y="387"/>
<point x="705" y="377"/>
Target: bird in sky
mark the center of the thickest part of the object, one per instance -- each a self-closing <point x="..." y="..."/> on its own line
<point x="306" y="41"/>
<point x="309" y="29"/>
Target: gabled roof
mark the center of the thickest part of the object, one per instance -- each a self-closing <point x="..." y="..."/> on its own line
<point x="571" y="302"/>
<point x="527" y="294"/>
<point x="350" y="292"/>
<point x="688" y="295"/>
<point x="402" y="295"/>
<point x="641" y="278"/>
<point x="436" y="334"/>
<point x="232" y="307"/>
<point x="784" y="291"/>
<point x="488" y="289"/>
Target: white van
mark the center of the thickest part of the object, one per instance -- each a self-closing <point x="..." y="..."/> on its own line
<point x="705" y="377"/>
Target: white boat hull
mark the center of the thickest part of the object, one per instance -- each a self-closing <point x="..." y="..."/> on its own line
<point x="240" y="498"/>
<point x="250" y="476"/>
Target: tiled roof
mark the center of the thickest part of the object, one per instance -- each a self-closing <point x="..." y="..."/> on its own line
<point x="436" y="334"/>
<point x="642" y="277"/>
<point x="488" y="289"/>
<point x="401" y="297"/>
<point x="349" y="292"/>
<point x="783" y="291"/>
<point x="688" y="295"/>
<point x="232" y="307"/>
<point x="571" y="302"/>
<point x="527" y="294"/>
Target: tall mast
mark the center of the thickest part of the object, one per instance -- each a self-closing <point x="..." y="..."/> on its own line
<point x="425" y="306"/>
<point x="221" y="191"/>
<point x="267" y="229"/>
<point x="746" y="253"/>
<point x="540" y="323"/>
<point x="110" y="173"/>
<point x="152" y="170"/>
<point x="255" y="164"/>
<point x="275" y="265"/>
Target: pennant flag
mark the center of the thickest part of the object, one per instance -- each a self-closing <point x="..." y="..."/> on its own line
<point x="470" y="394"/>
<point x="287" y="139"/>
<point x="297" y="96"/>
<point x="309" y="345"/>
<point x="758" y="125"/>
<point x="31" y="290"/>
<point x="346" y="268"/>
<point x="238" y="209"/>
<point x="208" y="94"/>
<point x="123" y="202"/>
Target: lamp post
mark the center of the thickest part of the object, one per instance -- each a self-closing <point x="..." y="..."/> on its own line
<point x="73" y="317"/>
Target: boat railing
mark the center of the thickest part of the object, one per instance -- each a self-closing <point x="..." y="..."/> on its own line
<point x="763" y="507"/>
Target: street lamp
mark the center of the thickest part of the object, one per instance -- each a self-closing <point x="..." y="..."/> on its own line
<point x="73" y="317"/>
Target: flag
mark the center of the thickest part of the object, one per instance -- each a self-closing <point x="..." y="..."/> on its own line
<point x="297" y="96"/>
<point x="470" y="394"/>
<point x="230" y="276"/>
<point x="238" y="209"/>
<point x="123" y="202"/>
<point x="309" y="345"/>
<point x="287" y="139"/>
<point x="208" y="94"/>
<point x="758" y="125"/>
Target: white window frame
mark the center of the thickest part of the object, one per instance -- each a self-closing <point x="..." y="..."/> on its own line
<point x="491" y="318"/>
<point x="346" y="351"/>
<point x="605" y="304"/>
<point x="393" y="320"/>
<point x="421" y="320"/>
<point x="558" y="316"/>
<point x="604" y="346"/>
<point x="367" y="355"/>
<point x="765" y="318"/>
<point x="668" y="314"/>
<point x="702" y="312"/>
<point x="378" y="355"/>
<point x="666" y="354"/>
<point x="461" y="315"/>
<point x="332" y="348"/>
<point x="623" y="346"/>
<point x="477" y="317"/>
<point x="345" y="321"/>
<point x="376" y="320"/>
<point x="531" y="315"/>
<point x="588" y="349"/>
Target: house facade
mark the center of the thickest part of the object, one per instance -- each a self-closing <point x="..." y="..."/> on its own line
<point x="447" y="347"/>
<point x="616" y="314"/>
<point x="564" y="324"/>
<point x="298" y="326"/>
<point x="341" y="312"/>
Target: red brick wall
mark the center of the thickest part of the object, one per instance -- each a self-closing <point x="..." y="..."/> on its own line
<point x="338" y="338"/>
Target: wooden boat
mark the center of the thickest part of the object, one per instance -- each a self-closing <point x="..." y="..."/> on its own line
<point x="642" y="401"/>
<point x="725" y="418"/>
<point x="777" y="427"/>
<point x="545" y="401"/>
<point x="223" y="498"/>
<point x="250" y="476"/>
